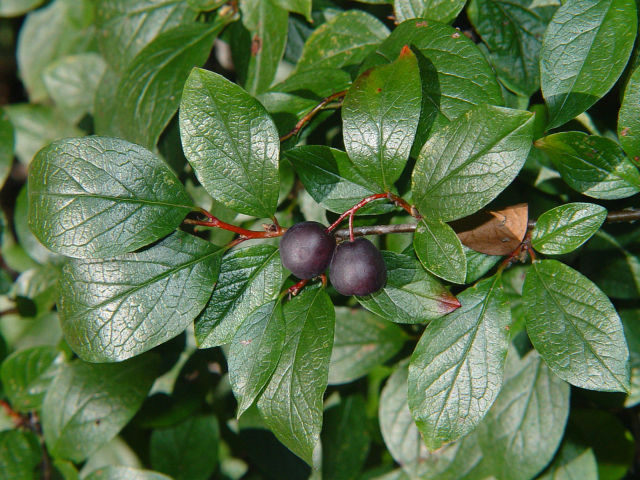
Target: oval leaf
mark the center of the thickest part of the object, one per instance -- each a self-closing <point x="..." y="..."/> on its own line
<point x="254" y="353"/>
<point x="100" y="197"/>
<point x="443" y="11"/>
<point x="456" y="370"/>
<point x="466" y="164"/>
<point x="594" y="166"/>
<point x="410" y="295"/>
<point x="119" y="307"/>
<point x="88" y="404"/>
<point x="584" y="51"/>
<point x="440" y="251"/>
<point x="361" y="342"/>
<point x="291" y="404"/>
<point x="20" y="454"/>
<point x="629" y="118"/>
<point x="575" y="328"/>
<point x="249" y="278"/>
<point x="564" y="228"/>
<point x="380" y="116"/>
<point x="231" y="142"/>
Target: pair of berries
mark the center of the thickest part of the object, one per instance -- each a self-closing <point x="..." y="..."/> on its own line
<point x="355" y="268"/>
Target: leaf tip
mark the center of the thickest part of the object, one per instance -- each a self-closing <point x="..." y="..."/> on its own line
<point x="449" y="302"/>
<point x="406" y="51"/>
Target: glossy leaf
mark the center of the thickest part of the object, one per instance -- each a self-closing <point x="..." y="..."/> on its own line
<point x="254" y="353"/>
<point x="456" y="370"/>
<point x="345" y="439"/>
<point x="26" y="375"/>
<point x="466" y="164"/>
<point x="149" y="93"/>
<point x="61" y="28"/>
<point x="592" y="165"/>
<point x="524" y="427"/>
<point x="124" y="473"/>
<point x="126" y="27"/>
<point x="629" y="117"/>
<point x="343" y="41"/>
<point x="575" y="328"/>
<point x="15" y="8"/>
<point x="6" y="147"/>
<point x="20" y="454"/>
<point x="564" y="228"/>
<point x="188" y="450"/>
<point x="99" y="197"/>
<point x="72" y="83"/>
<point x="361" y="342"/>
<point x="28" y="241"/>
<point x="231" y="143"/>
<point x="291" y="404"/>
<point x="116" y="308"/>
<point x="631" y="323"/>
<point x="410" y="295"/>
<point x="332" y="180"/>
<point x="380" y="116"/>
<point x="35" y="126"/>
<point x="249" y="277"/>
<point x="512" y="30"/>
<point x="572" y="461"/>
<point x="444" y="11"/>
<point x="584" y="51"/>
<point x="440" y="251"/>
<point x="455" y="74"/>
<point x="303" y="7"/>
<point x="88" y="404"/>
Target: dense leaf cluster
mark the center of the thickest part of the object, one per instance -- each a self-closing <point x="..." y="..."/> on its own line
<point x="140" y="341"/>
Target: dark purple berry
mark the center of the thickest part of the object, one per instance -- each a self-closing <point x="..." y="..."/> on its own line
<point x="357" y="268"/>
<point x="306" y="249"/>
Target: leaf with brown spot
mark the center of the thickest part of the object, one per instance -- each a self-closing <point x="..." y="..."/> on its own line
<point x="496" y="232"/>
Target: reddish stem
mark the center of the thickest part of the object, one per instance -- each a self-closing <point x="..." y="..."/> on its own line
<point x="312" y="113"/>
<point x="295" y="289"/>
<point x="270" y="231"/>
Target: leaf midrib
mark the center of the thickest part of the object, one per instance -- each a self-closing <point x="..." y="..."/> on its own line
<point x="112" y="198"/>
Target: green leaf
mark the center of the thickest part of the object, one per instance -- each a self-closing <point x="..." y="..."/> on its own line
<point x="35" y="126"/>
<point x="592" y="165"/>
<point x="62" y="28"/>
<point x="332" y="180"/>
<point x="231" y="143"/>
<point x="410" y="295"/>
<point x="629" y="117"/>
<point x="72" y="83"/>
<point x="20" y="455"/>
<point x="15" y="8"/>
<point x="249" y="277"/>
<point x="88" y="404"/>
<point x="254" y="353"/>
<point x="572" y="461"/>
<point x="303" y="7"/>
<point x="124" y="473"/>
<point x="291" y="404"/>
<point x="26" y="375"/>
<point x="345" y="439"/>
<point x="455" y="74"/>
<point x="361" y="342"/>
<point x="512" y="30"/>
<point x="258" y="51"/>
<point x="26" y="238"/>
<point x="205" y="5"/>
<point x="631" y="323"/>
<point x="584" y="51"/>
<point x="444" y="11"/>
<point x="380" y="116"/>
<point x="343" y="41"/>
<point x="563" y="229"/>
<point x="439" y="250"/>
<point x="187" y="451"/>
<point x="466" y="164"/>
<point x="478" y="264"/>
<point x="99" y="197"/>
<point x="456" y="370"/>
<point x="524" y="427"/>
<point x="125" y="27"/>
<point x="149" y="93"/>
<point x="575" y="328"/>
<point x="116" y="308"/>
<point x="6" y="147"/>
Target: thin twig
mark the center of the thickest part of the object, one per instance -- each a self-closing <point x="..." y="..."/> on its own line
<point x="270" y="231"/>
<point x="312" y="113"/>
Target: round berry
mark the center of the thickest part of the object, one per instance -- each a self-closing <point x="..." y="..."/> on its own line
<point x="357" y="268"/>
<point x="306" y="249"/>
